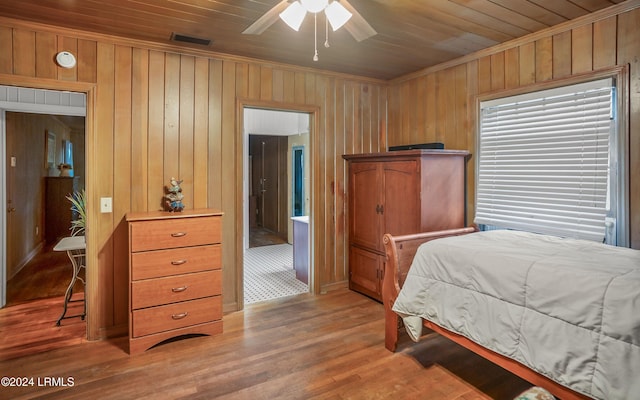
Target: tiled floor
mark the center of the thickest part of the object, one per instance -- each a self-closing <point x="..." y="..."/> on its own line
<point x="269" y="274"/>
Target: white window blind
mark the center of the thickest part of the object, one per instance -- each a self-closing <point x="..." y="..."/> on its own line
<point x="543" y="162"/>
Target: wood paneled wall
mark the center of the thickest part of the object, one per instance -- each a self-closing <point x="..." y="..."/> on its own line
<point x="438" y="104"/>
<point x="157" y="112"/>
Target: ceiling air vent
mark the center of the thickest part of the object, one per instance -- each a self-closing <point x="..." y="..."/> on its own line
<point x="176" y="37"/>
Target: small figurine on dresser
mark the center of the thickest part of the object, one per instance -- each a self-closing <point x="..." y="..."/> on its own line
<point x="174" y="196"/>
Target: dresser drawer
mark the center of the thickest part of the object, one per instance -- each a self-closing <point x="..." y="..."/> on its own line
<point x="174" y="316"/>
<point x="175" y="232"/>
<point x="155" y="264"/>
<point x="171" y="289"/>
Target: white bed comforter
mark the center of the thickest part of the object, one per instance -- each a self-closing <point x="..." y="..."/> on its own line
<point x="568" y="309"/>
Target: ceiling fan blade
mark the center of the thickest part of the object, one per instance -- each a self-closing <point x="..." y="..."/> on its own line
<point x="268" y="19"/>
<point x="357" y="26"/>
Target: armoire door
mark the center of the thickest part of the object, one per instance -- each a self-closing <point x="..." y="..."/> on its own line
<point x="401" y="203"/>
<point x="365" y="205"/>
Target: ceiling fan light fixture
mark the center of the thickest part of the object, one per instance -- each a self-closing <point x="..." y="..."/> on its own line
<point x="314" y="6"/>
<point x="293" y="15"/>
<point x="337" y="15"/>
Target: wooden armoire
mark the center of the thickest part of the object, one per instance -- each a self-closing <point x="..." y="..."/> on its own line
<point x="399" y="192"/>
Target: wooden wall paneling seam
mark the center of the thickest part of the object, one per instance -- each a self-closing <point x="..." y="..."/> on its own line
<point x="432" y="105"/>
<point x="46" y="45"/>
<point x="230" y="198"/>
<point x="92" y="289"/>
<point x="315" y="96"/>
<point x="582" y="49"/>
<point x="254" y="86"/>
<point x="200" y="133"/>
<point x="366" y="97"/>
<point x="278" y="85"/>
<point x="155" y="165"/>
<point x="70" y="44"/>
<point x="299" y="87"/>
<point x="413" y="130"/>
<point x="288" y="87"/>
<point x="105" y="114"/>
<point x="242" y="79"/>
<point x="186" y="114"/>
<point x="421" y="108"/>
<point x="511" y="68"/>
<point x="357" y="119"/>
<point x="171" y="146"/>
<point x="544" y="59"/>
<point x="86" y="60"/>
<point x="139" y="130"/>
<point x="405" y="105"/>
<point x="122" y="153"/>
<point x="461" y="121"/>
<point x="393" y="110"/>
<point x="326" y="93"/>
<point x="497" y="71"/>
<point x="340" y="179"/>
<point x="561" y="55"/>
<point x="214" y="194"/>
<point x="605" y="43"/>
<point x="6" y="56"/>
<point x="441" y="106"/>
<point x="472" y="112"/>
<point x="527" y="54"/>
<point x="484" y="74"/>
<point x="266" y="83"/>
<point x="24" y="54"/>
<point x="450" y="112"/>
<point x="383" y="118"/>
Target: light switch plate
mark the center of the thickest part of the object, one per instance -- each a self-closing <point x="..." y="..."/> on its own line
<point x="105" y="205"/>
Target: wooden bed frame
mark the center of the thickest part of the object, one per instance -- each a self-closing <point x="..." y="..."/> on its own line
<point x="400" y="251"/>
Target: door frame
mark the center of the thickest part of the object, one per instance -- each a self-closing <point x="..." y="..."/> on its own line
<point x="91" y="288"/>
<point x="242" y="191"/>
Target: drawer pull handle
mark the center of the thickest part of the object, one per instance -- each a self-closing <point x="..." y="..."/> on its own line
<point x="179" y="234"/>
<point x="179" y="316"/>
<point x="178" y="262"/>
<point x="179" y="289"/>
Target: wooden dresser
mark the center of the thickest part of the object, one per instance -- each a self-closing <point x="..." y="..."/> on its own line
<point x="399" y="192"/>
<point x="58" y="214"/>
<point x="175" y="275"/>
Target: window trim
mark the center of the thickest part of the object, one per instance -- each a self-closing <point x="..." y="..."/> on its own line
<point x="621" y="76"/>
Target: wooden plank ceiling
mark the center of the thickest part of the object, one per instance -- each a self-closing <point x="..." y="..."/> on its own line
<point x="411" y="34"/>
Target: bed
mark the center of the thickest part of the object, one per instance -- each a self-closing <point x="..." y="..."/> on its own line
<point x="563" y="314"/>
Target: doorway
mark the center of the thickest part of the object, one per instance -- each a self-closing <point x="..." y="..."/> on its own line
<point x="35" y="139"/>
<point x="273" y="138"/>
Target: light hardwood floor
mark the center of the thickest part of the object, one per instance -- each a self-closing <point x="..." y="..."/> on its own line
<point x="322" y="347"/>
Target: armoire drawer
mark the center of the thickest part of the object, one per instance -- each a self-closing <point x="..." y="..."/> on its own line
<point x="177" y="315"/>
<point x="172" y="289"/>
<point x="158" y="263"/>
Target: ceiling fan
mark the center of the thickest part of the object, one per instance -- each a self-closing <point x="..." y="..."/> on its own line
<point x="338" y="13"/>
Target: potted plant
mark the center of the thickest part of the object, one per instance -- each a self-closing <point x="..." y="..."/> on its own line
<point x="78" y="202"/>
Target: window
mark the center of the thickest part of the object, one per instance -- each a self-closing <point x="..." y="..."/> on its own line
<point x="548" y="162"/>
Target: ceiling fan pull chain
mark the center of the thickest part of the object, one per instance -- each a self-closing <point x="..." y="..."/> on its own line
<point x="326" y="41"/>
<point x="315" y="36"/>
